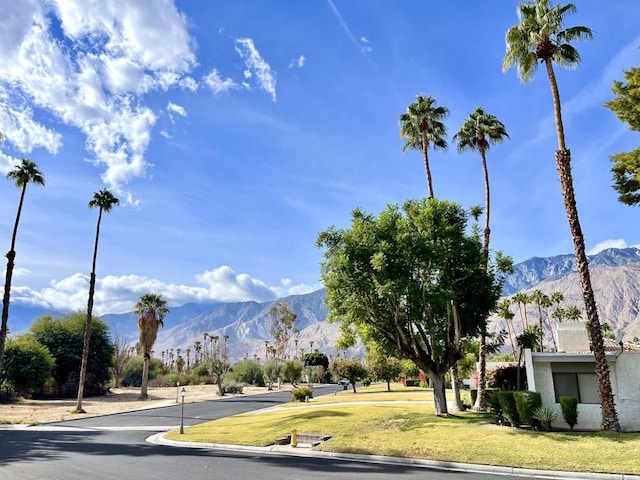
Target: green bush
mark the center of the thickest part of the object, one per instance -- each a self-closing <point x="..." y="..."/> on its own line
<point x="299" y="394"/>
<point x="200" y="371"/>
<point x="569" y="406"/>
<point x="526" y="403"/>
<point x="493" y="404"/>
<point x="28" y="365"/>
<point x="508" y="406"/>
<point x="132" y="375"/>
<point x="506" y="378"/>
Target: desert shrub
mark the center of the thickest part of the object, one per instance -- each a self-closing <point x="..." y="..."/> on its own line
<point x="201" y="370"/>
<point x="28" y="365"/>
<point x="545" y="415"/>
<point x="569" y="407"/>
<point x="247" y="371"/>
<point x="526" y="403"/>
<point x="299" y="394"/>
<point x="232" y="387"/>
<point x="291" y="370"/>
<point x="132" y="375"/>
<point x="508" y="406"/>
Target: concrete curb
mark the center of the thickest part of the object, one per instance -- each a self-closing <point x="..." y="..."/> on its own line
<point x="305" y="451"/>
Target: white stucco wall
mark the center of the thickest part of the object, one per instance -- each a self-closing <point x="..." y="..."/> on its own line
<point x="625" y="382"/>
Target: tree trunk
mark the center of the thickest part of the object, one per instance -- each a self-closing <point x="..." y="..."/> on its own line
<point x="439" y="394"/>
<point x="11" y="256"/>
<point x="455" y="387"/>
<point x="481" y="401"/>
<point x="563" y="163"/>
<point x="425" y="153"/>
<point x="87" y="325"/>
<point x="145" y="377"/>
<point x="609" y="415"/>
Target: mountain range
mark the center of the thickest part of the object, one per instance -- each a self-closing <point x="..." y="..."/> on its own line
<point x="615" y="276"/>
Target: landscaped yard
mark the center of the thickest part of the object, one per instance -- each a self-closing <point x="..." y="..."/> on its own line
<point x="401" y="423"/>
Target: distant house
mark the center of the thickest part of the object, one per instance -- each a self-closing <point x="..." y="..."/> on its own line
<point x="571" y="372"/>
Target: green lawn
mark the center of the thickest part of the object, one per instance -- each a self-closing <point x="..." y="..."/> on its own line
<point x="407" y="427"/>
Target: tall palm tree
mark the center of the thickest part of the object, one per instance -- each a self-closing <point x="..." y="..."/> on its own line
<point x="421" y="125"/>
<point x="541" y="36"/>
<point x="478" y="132"/>
<point x="504" y="312"/>
<point x="104" y="200"/>
<point x="151" y="310"/>
<point x="522" y="300"/>
<point x="24" y="173"/>
<point x="573" y="313"/>
<point x="540" y="299"/>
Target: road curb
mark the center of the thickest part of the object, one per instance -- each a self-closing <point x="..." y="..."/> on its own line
<point x="286" y="450"/>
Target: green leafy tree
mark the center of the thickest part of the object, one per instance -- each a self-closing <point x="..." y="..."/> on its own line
<point x="292" y="371"/>
<point x="283" y="321"/>
<point x="542" y="38"/>
<point x="412" y="281"/>
<point x="28" y="365"/>
<point x="422" y="126"/>
<point x="151" y="310"/>
<point x="479" y="131"/>
<point x="248" y="371"/>
<point x="104" y="201"/>
<point x="64" y="338"/>
<point x="271" y="372"/>
<point x="384" y="368"/>
<point x="315" y="358"/>
<point x="626" y="165"/>
<point x="350" y="368"/>
<point x="24" y="173"/>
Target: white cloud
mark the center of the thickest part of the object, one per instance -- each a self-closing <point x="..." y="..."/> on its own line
<point x="91" y="74"/>
<point x="257" y="66"/>
<point x="612" y="243"/>
<point x="217" y="85"/>
<point x="297" y="62"/>
<point x="117" y="294"/>
<point x="179" y="109"/>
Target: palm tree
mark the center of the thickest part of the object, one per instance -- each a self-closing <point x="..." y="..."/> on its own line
<point x="24" y="173"/>
<point x="541" y="36"/>
<point x="105" y="201"/>
<point x="522" y="299"/>
<point x="151" y="310"/>
<point x="479" y="131"/>
<point x="421" y="125"/>
<point x="529" y="338"/>
<point x="573" y="313"/>
<point x="197" y="346"/>
<point x="504" y="312"/>
<point x="540" y="299"/>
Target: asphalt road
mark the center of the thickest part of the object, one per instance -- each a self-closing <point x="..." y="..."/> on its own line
<point x="114" y="447"/>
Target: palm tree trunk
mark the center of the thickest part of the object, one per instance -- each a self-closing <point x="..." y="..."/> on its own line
<point x="541" y="328"/>
<point x="87" y="325"/>
<point x="553" y="338"/>
<point x="563" y="162"/>
<point x="11" y="255"/>
<point x="481" y="401"/>
<point x="145" y="377"/>
<point x="425" y="153"/>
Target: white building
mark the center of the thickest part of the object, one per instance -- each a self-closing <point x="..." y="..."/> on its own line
<point x="571" y="372"/>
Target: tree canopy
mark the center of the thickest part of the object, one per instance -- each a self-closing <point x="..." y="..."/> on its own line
<point x="413" y="281"/>
<point x="626" y="165"/>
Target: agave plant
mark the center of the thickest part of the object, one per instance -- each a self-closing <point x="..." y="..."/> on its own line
<point x="545" y="415"/>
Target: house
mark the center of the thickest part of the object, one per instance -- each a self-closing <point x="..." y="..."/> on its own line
<point x="571" y="372"/>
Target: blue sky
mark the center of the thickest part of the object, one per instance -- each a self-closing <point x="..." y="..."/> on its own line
<point x="234" y="131"/>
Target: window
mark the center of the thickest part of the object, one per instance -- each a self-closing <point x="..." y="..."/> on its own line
<point x="576" y="380"/>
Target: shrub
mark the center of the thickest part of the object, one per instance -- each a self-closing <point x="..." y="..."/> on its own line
<point x="545" y="415"/>
<point x="247" y="371"/>
<point x="28" y="365"/>
<point x="569" y="406"/>
<point x="526" y="403"/>
<point x="299" y="394"/>
<point x="508" y="406"/>
<point x="132" y="375"/>
<point x="493" y="404"/>
<point x="233" y="387"/>
<point x="506" y="378"/>
<point x="200" y="371"/>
